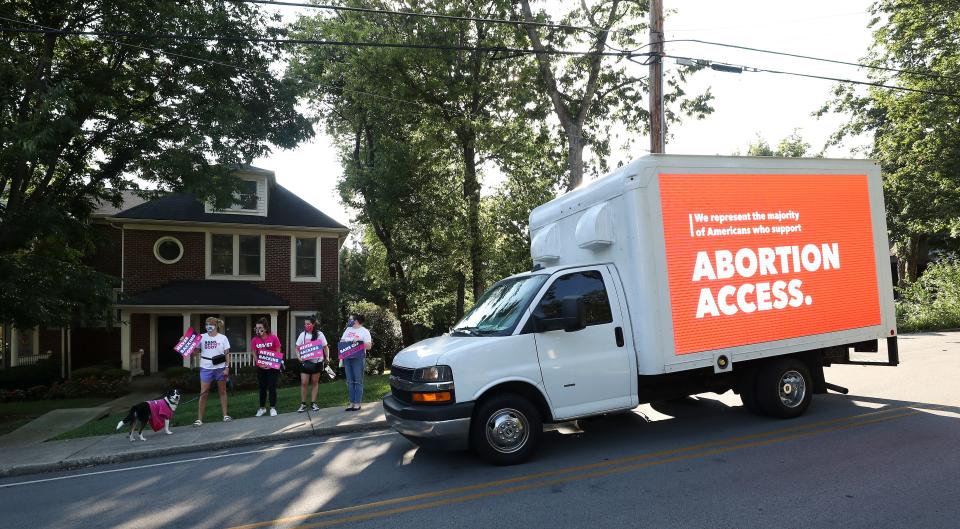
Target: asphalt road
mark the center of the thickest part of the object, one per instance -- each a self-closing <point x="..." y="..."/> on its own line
<point x="884" y="456"/>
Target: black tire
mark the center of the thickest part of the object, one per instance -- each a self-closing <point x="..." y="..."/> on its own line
<point x="520" y="427"/>
<point x="784" y="388"/>
<point x="747" y="388"/>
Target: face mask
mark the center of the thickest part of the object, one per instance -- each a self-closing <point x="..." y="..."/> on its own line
<point x="308" y="327"/>
<point x="260" y="332"/>
<point x="350" y="322"/>
<point x="211" y="328"/>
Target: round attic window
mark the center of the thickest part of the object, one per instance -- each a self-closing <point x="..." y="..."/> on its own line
<point x="168" y="250"/>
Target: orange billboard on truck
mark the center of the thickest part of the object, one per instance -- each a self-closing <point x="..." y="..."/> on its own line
<point x="761" y="257"/>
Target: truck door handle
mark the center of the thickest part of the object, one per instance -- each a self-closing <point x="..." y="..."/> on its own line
<point x="618" y="332"/>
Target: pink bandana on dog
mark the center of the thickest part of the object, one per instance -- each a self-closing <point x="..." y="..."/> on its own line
<point x="159" y="412"/>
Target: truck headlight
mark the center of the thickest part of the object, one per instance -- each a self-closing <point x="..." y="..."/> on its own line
<point x="433" y="374"/>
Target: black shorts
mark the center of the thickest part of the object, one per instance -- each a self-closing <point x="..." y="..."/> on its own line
<point x="310" y="368"/>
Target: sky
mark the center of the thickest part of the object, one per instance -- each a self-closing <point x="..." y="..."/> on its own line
<point x="745" y="104"/>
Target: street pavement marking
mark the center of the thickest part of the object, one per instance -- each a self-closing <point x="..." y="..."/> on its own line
<point x="844" y="421"/>
<point x="195" y="459"/>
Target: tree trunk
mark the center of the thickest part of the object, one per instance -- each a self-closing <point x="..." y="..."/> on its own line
<point x="574" y="159"/>
<point x="917" y="250"/>
<point x="461" y="294"/>
<point x="471" y="193"/>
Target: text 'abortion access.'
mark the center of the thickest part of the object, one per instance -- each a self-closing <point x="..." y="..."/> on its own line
<point x="754" y="258"/>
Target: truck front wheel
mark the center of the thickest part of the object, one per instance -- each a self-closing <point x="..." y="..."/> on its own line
<point x="784" y="388"/>
<point x="505" y="429"/>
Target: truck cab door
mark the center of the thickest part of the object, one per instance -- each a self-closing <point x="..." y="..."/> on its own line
<point x="588" y="370"/>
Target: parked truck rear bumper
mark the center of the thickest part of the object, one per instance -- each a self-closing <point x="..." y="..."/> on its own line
<point x="444" y="427"/>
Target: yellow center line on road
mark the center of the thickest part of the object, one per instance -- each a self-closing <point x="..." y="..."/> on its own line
<point x="844" y="422"/>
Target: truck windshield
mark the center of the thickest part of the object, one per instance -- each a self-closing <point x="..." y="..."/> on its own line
<point x="498" y="310"/>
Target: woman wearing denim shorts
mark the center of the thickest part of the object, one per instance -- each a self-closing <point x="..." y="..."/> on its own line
<point x="211" y="345"/>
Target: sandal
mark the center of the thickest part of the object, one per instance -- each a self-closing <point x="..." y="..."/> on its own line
<point x="197" y="423"/>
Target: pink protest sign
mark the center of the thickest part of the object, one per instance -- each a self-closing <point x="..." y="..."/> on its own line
<point x="269" y="359"/>
<point x="188" y="343"/>
<point x="311" y="350"/>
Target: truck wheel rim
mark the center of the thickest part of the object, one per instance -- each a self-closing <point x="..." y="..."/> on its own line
<point x="507" y="430"/>
<point x="793" y="389"/>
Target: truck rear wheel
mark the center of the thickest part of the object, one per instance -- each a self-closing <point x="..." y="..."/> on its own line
<point x="505" y="429"/>
<point x="784" y="388"/>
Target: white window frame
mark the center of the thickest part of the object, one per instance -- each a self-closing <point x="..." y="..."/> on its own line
<point x="161" y="240"/>
<point x="263" y="194"/>
<point x="293" y="331"/>
<point x="236" y="256"/>
<point x="293" y="260"/>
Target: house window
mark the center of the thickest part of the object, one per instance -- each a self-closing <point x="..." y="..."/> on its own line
<point x="26" y="341"/>
<point x="235" y="256"/>
<point x="305" y="258"/>
<point x="247" y="197"/>
<point x="168" y="250"/>
<point x="221" y="255"/>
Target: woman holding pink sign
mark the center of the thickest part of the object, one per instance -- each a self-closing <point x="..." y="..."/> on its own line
<point x="267" y="357"/>
<point x="354" y="344"/>
<point x="312" y="349"/>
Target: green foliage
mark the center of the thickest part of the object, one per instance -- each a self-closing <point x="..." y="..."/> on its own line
<point x="793" y="146"/>
<point x="22" y="377"/>
<point x="933" y="301"/>
<point x="916" y="135"/>
<point x="83" y="118"/>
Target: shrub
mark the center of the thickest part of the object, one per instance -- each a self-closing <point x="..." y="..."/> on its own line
<point x="933" y="301"/>
<point x="44" y="372"/>
<point x="384" y="329"/>
<point x="87" y="372"/>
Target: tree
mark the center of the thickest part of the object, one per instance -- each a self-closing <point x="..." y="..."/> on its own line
<point x="793" y="146"/>
<point x="587" y="92"/>
<point x="83" y="118"/>
<point x="916" y="134"/>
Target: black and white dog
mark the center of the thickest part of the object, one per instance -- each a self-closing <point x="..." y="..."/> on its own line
<point x="155" y="412"/>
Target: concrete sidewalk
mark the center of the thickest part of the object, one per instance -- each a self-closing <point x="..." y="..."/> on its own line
<point x="117" y="448"/>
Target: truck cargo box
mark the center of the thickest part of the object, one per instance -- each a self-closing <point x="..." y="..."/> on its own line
<point x="736" y="257"/>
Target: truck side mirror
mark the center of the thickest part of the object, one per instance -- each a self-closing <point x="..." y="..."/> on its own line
<point x="573" y="316"/>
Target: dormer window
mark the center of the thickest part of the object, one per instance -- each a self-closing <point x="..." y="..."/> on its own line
<point x="251" y="199"/>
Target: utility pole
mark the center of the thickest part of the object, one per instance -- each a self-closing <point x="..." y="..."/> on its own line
<point x="657" y="125"/>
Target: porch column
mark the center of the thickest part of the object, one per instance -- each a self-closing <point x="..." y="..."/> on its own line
<point x="125" y="339"/>
<point x="69" y="352"/>
<point x="273" y="322"/>
<point x="152" y="346"/>
<point x="63" y="352"/>
<point x="186" y="325"/>
<point x="13" y="346"/>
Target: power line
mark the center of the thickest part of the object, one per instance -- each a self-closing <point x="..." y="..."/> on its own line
<point x="310" y="42"/>
<point x="415" y="14"/>
<point x="820" y="59"/>
<point x="739" y="68"/>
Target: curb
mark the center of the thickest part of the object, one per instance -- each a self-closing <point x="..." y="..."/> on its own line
<point x="74" y="464"/>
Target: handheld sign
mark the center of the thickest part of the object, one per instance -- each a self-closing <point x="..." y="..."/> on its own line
<point x="311" y="350"/>
<point x="350" y="349"/>
<point x="188" y="342"/>
<point x="269" y="359"/>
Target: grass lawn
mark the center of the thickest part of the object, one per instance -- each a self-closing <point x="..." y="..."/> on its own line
<point x="245" y="403"/>
<point x="15" y="414"/>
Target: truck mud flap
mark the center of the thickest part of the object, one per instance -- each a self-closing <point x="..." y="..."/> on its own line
<point x="893" y="356"/>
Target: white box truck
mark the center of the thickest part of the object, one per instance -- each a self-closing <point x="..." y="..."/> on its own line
<point x="672" y="276"/>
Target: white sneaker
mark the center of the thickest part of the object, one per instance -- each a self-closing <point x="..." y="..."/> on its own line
<point x="261" y="412"/>
<point x="273" y="412"/>
<point x="302" y="408"/>
<point x="227" y="418"/>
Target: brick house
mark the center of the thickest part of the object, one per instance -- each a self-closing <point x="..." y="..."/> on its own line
<point x="271" y="254"/>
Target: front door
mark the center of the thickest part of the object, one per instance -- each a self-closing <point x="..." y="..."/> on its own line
<point x="585" y="371"/>
<point x="169" y="331"/>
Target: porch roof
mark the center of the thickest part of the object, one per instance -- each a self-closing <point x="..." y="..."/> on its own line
<point x="209" y="293"/>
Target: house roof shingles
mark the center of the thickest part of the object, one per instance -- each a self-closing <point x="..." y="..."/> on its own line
<point x="208" y="293"/>
<point x="284" y="208"/>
